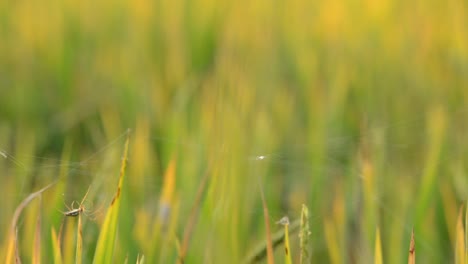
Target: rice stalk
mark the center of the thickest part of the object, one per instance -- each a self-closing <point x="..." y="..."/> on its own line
<point x="192" y="219"/>
<point x="412" y="249"/>
<point x="79" y="242"/>
<point x="266" y="215"/>
<point x="105" y="244"/>
<point x="304" y="234"/>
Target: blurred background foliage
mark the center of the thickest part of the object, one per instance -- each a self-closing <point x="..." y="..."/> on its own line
<point x="358" y="108"/>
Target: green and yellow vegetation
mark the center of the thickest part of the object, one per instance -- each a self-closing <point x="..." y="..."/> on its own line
<point x="348" y="117"/>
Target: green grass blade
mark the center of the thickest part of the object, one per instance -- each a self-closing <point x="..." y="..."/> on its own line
<point x="105" y="245"/>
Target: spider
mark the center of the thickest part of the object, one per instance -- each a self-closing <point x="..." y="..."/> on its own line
<point x="73" y="212"/>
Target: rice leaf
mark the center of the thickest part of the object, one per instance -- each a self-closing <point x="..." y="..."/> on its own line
<point x="140" y="260"/>
<point x="67" y="241"/>
<point x="260" y="251"/>
<point x="378" y="248"/>
<point x="466" y="234"/>
<point x="36" y="253"/>
<point x="460" y="242"/>
<point x="56" y="247"/>
<point x="105" y="244"/>
<point x="12" y="248"/>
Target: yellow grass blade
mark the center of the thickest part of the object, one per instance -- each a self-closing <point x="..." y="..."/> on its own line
<point x="266" y="216"/>
<point x="378" y="248"/>
<point x="287" y="250"/>
<point x="412" y="250"/>
<point x="56" y="247"/>
<point x="166" y="207"/>
<point x="105" y="244"/>
<point x="67" y="241"/>
<point x="79" y="242"/>
<point x="140" y="260"/>
<point x="331" y="241"/>
<point x="12" y="236"/>
<point x="460" y="242"/>
<point x="168" y="188"/>
<point x="36" y="252"/>
<point x="466" y="234"/>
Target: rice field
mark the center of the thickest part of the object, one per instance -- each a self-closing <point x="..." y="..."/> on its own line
<point x="186" y="131"/>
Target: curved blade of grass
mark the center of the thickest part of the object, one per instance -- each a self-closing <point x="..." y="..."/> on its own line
<point x="106" y="240"/>
<point x="12" y="236"/>
<point x="378" y="248"/>
<point x="260" y="251"/>
<point x="17" y="257"/>
<point x="56" y="247"/>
